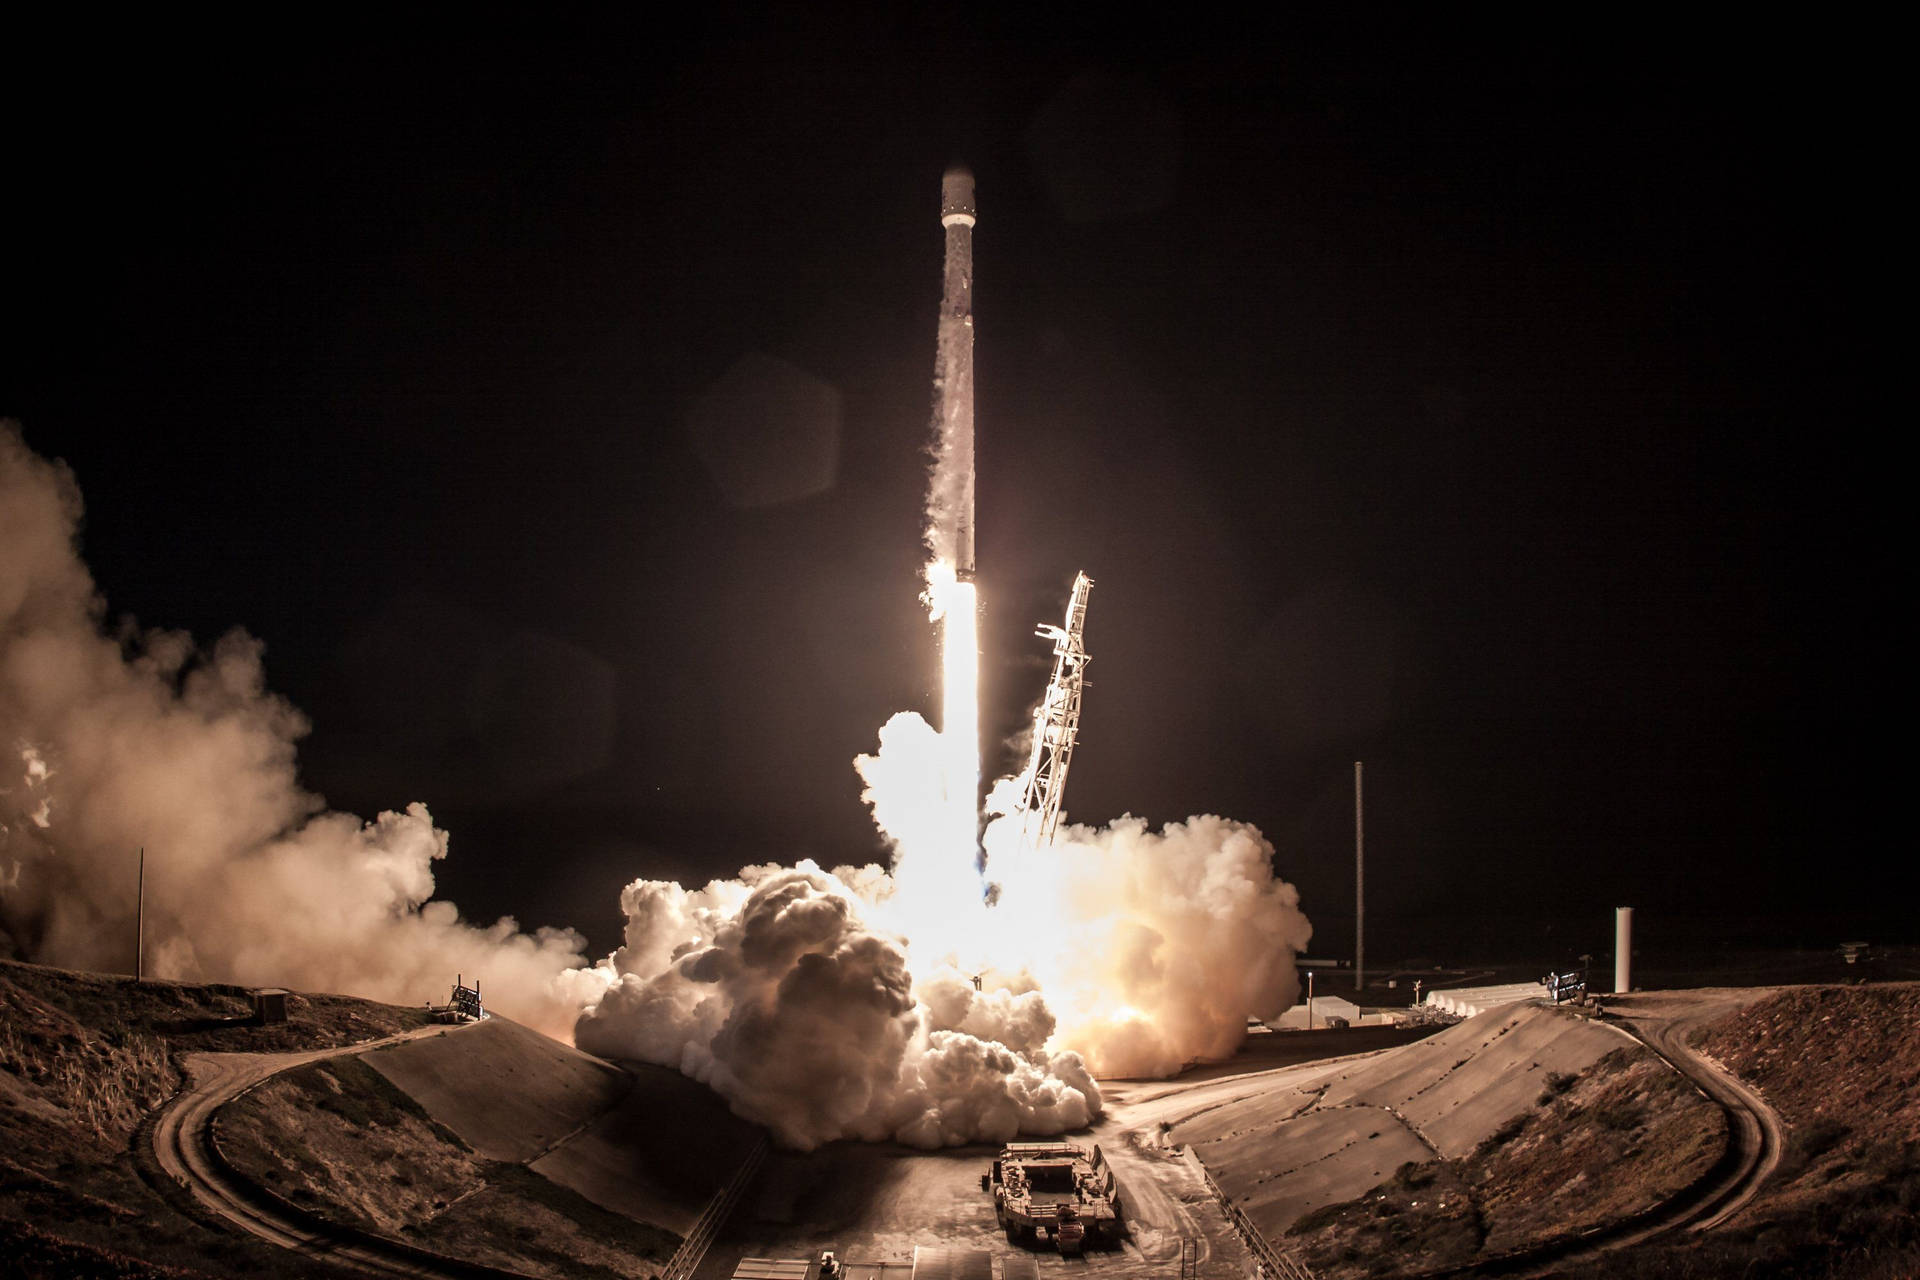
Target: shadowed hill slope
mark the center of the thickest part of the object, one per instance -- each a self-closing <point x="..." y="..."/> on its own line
<point x="508" y="1091"/>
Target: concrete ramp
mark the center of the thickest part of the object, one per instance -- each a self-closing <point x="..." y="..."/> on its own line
<point x="508" y="1091"/>
<point x="659" y="1155"/>
<point x="1281" y="1155"/>
<point x="1457" y="1087"/>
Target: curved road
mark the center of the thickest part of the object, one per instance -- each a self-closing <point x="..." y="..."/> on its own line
<point x="182" y="1144"/>
<point x="1666" y="1021"/>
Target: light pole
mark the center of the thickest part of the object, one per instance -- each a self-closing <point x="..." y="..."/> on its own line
<point x="140" y="921"/>
<point x="1309" y="999"/>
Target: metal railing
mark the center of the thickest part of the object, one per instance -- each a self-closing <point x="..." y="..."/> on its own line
<point x="1274" y="1264"/>
<point x="693" y="1250"/>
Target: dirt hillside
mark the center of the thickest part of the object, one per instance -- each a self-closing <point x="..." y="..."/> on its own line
<point x="1841" y="1064"/>
<point x="84" y="1058"/>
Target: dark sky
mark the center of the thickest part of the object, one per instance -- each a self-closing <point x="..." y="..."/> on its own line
<point x="1480" y="401"/>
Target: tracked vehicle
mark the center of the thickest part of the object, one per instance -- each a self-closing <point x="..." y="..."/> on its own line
<point x="1054" y="1192"/>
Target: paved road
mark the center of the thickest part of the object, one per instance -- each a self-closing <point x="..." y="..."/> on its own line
<point x="182" y="1146"/>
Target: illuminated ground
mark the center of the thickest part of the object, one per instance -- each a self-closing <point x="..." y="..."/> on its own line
<point x="875" y="1203"/>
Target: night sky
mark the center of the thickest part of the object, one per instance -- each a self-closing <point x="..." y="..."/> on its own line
<point x="1481" y="402"/>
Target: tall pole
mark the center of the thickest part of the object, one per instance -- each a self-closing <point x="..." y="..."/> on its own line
<point x="1622" y="950"/>
<point x="140" y="922"/>
<point x="1359" y="882"/>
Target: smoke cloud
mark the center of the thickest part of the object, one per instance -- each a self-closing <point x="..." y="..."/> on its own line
<point x="1154" y="947"/>
<point x="870" y="1004"/>
<point x="111" y="740"/>
<point x="773" y="990"/>
<point x="858" y="1002"/>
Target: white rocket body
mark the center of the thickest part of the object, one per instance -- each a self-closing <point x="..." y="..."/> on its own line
<point x="953" y="374"/>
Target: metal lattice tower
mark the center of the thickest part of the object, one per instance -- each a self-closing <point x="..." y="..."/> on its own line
<point x="1056" y="722"/>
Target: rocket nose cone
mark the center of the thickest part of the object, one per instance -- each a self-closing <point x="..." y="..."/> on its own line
<point x="956" y="193"/>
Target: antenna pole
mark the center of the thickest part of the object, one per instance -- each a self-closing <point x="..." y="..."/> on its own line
<point x="1359" y="882"/>
<point x="140" y="922"/>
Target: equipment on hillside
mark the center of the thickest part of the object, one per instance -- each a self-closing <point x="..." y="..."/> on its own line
<point x="463" y="1005"/>
<point x="1565" y="986"/>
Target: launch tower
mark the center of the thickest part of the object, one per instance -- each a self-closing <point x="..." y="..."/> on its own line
<point x="1056" y="723"/>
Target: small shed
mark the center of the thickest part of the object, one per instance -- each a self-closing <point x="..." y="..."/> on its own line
<point x="270" y="1005"/>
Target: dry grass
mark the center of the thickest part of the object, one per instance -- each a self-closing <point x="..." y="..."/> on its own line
<point x="1625" y="1135"/>
<point x="1842" y="1067"/>
<point x="103" y="1087"/>
<point x="1423" y="1217"/>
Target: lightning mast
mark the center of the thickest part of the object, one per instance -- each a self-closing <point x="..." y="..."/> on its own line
<point x="1056" y="723"/>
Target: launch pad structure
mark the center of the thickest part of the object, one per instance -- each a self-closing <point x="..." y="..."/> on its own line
<point x="1056" y="721"/>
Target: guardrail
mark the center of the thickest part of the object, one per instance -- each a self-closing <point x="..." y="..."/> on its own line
<point x="1274" y="1264"/>
<point x="693" y="1250"/>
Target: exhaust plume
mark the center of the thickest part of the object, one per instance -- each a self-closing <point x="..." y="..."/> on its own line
<point x="775" y="991"/>
<point x="114" y="741"/>
<point x="867" y="1003"/>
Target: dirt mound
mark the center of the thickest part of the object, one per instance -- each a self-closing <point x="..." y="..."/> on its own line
<point x="1842" y="1066"/>
<point x="1830" y="1055"/>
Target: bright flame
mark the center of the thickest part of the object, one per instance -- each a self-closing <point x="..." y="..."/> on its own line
<point x="925" y="789"/>
<point x="960" y="711"/>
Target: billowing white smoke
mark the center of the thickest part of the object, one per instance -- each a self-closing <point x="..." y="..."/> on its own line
<point x="111" y="742"/>
<point x="1153" y="947"/>
<point x="861" y="1003"/>
<point x="845" y="1005"/>
<point x="773" y="990"/>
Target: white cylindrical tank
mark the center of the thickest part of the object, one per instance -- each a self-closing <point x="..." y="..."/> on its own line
<point x="1622" y="949"/>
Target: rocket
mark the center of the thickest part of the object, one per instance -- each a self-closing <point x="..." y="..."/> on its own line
<point x="954" y="374"/>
